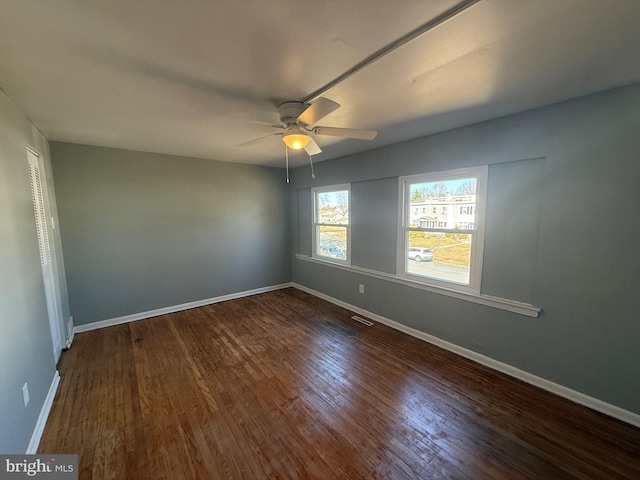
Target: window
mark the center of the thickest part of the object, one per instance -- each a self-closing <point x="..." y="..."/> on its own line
<point x="466" y="210"/>
<point x="454" y="237"/>
<point x="331" y="232"/>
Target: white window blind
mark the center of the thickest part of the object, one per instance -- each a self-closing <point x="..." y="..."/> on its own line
<point x="38" y="208"/>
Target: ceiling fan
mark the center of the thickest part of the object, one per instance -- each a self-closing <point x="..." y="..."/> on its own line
<point x="299" y="118"/>
<point x="299" y="121"/>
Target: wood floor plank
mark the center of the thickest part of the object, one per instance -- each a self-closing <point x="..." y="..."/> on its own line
<point x="285" y="385"/>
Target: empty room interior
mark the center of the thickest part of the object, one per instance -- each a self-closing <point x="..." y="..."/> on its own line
<point x="321" y="239"/>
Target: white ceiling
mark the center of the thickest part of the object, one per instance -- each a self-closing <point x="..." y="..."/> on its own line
<point x="181" y="77"/>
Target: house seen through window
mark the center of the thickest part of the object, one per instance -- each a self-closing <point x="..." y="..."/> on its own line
<point x="331" y="223"/>
<point x="444" y="246"/>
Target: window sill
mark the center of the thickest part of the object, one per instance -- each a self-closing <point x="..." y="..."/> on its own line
<point x="488" y="300"/>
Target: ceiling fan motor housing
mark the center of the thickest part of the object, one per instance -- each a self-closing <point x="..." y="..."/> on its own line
<point x="289" y="112"/>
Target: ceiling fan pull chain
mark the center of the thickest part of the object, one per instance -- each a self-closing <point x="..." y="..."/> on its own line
<point x="286" y="160"/>
<point x="313" y="175"/>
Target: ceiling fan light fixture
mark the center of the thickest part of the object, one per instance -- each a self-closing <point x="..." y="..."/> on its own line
<point x="296" y="141"/>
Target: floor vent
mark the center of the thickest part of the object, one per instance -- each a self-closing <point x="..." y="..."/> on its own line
<point x="362" y="320"/>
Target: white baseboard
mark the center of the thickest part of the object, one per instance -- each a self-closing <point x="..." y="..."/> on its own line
<point x="176" y="308"/>
<point x="44" y="414"/>
<point x="573" y="395"/>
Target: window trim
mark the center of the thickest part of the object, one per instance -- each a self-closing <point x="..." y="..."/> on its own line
<point x="514" y="306"/>
<point x="315" y="224"/>
<point x="475" y="271"/>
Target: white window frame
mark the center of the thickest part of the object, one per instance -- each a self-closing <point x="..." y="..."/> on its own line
<point x="315" y="224"/>
<point x="477" y="248"/>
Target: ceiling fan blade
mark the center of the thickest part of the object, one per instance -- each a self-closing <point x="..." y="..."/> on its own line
<point x="317" y="110"/>
<point x="312" y="147"/>
<point x="346" y="132"/>
<point x="257" y="140"/>
<point x="256" y="122"/>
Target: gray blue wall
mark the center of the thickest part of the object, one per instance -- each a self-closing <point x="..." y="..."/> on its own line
<point x="562" y="234"/>
<point x="26" y="350"/>
<point x="143" y="231"/>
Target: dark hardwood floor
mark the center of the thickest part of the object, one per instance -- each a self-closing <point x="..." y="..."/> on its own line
<point x="285" y="385"/>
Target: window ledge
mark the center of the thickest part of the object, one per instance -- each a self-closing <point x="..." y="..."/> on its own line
<point x="488" y="300"/>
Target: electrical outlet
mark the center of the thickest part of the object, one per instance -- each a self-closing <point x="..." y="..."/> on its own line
<point x="361" y="288"/>
<point x="25" y="394"/>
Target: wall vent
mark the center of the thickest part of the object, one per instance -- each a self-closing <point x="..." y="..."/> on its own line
<point x="362" y="320"/>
